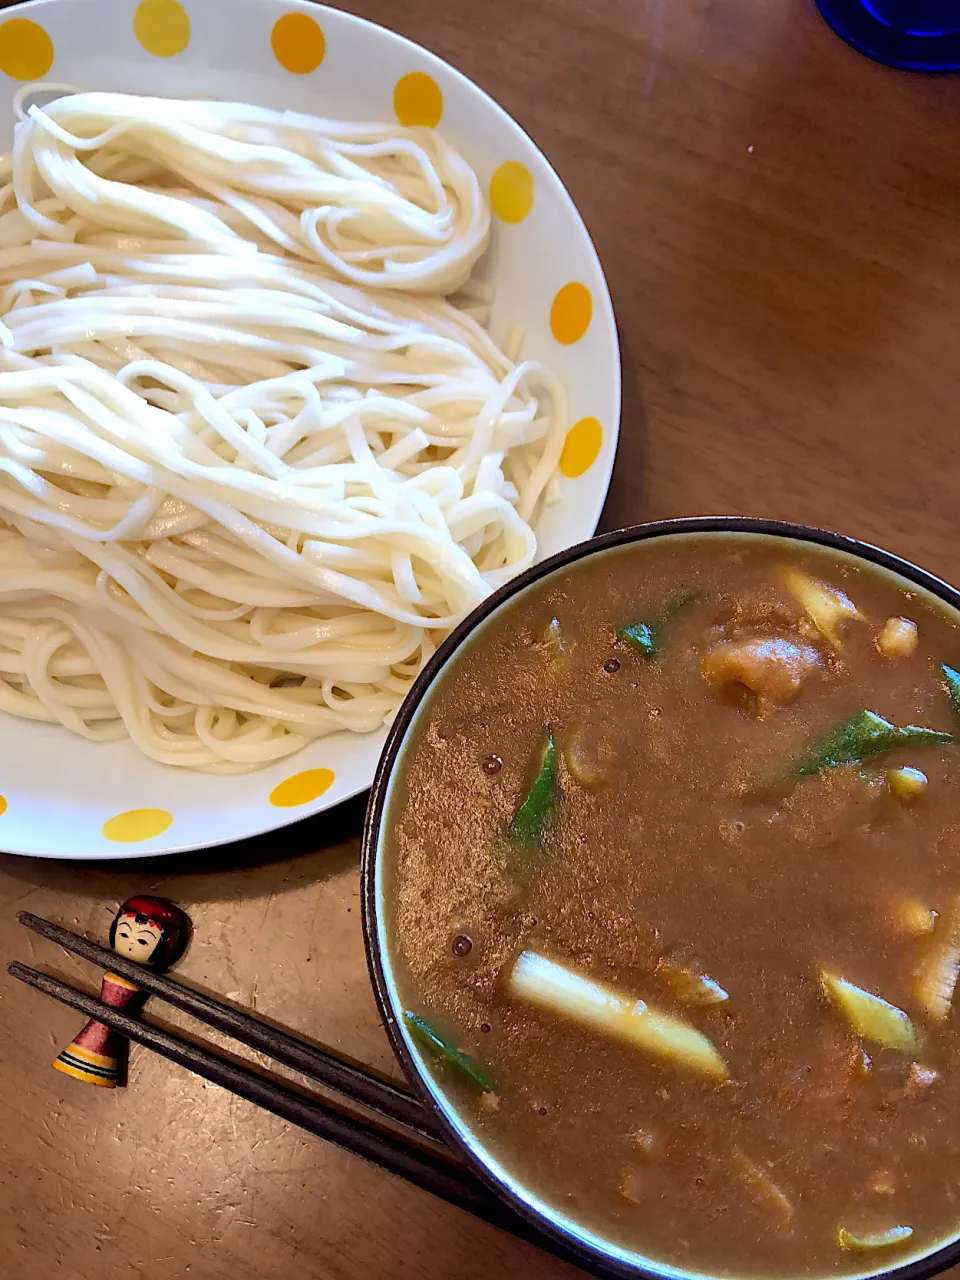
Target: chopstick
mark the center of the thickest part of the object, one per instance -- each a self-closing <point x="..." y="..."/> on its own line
<point x="436" y="1171"/>
<point x="415" y="1150"/>
<point x="379" y="1094"/>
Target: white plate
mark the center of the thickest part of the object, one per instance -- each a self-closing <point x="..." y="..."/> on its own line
<point x="68" y="798"/>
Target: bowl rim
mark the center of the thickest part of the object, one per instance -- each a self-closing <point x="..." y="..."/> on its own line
<point x="556" y="1238"/>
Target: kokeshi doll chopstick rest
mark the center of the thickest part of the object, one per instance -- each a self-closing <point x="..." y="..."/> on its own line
<point x="151" y="931"/>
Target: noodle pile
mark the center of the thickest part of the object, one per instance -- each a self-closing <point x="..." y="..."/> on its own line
<point x="254" y="461"/>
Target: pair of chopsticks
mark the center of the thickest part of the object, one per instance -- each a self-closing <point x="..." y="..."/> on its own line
<point x="398" y="1132"/>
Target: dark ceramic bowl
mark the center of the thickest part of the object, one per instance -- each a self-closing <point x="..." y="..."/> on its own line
<point x="560" y="1233"/>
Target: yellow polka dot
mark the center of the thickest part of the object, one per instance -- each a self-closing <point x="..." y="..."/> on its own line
<point x="571" y="312"/>
<point x="136" y="825"/>
<point x="581" y="447"/>
<point x="3" y="805"/>
<point x="302" y="788"/>
<point x="26" y="51"/>
<point x="162" y="27"/>
<point x="511" y="191"/>
<point x="298" y="43"/>
<point x="417" y="100"/>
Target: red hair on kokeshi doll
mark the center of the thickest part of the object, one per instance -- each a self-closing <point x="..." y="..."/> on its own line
<point x="153" y="932"/>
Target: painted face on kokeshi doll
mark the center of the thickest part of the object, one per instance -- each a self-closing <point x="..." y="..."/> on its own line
<point x="150" y="930"/>
<point x="137" y="940"/>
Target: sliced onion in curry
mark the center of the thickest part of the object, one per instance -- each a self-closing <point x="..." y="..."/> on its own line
<point x="688" y="983"/>
<point x="873" y="1240"/>
<point x="870" y="1016"/>
<point x="765" y="1188"/>
<point x="938" y="974"/>
<point x="827" y="607"/>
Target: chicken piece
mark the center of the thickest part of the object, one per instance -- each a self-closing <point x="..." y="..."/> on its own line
<point x="768" y="670"/>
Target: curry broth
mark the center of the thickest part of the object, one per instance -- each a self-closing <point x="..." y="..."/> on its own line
<point x="697" y="844"/>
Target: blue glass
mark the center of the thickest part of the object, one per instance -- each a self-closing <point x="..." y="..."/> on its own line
<point x="917" y="35"/>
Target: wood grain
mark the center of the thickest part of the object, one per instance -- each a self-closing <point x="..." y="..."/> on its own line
<point x="778" y="218"/>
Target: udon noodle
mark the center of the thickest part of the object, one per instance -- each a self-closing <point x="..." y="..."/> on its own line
<point x="254" y="462"/>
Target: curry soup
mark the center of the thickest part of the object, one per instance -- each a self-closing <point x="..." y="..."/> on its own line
<point x="673" y="902"/>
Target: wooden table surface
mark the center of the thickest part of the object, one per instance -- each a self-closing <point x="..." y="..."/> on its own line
<point x="778" y="219"/>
